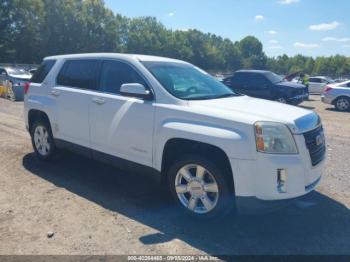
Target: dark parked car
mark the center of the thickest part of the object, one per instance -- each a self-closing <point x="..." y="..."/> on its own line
<point x="267" y="85"/>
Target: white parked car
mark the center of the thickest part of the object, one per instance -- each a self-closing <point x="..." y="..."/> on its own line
<point x="214" y="149"/>
<point x="338" y="95"/>
<point x="318" y="83"/>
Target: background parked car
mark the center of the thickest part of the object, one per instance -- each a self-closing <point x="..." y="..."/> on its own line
<point x="267" y="85"/>
<point x="32" y="71"/>
<point x="340" y="80"/>
<point x="318" y="83"/>
<point x="15" y="80"/>
<point x="338" y="95"/>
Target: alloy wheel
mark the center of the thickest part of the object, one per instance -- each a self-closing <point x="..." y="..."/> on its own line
<point x="282" y="100"/>
<point x="343" y="104"/>
<point x="41" y="140"/>
<point x="197" y="189"/>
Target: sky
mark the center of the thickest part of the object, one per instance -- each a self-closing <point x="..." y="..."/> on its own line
<point x="308" y="27"/>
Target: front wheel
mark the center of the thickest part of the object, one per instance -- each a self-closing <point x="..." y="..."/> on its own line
<point x="42" y="140"/>
<point x="200" y="188"/>
<point x="281" y="100"/>
<point x="342" y="104"/>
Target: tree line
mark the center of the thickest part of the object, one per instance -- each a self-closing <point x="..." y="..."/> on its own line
<point x="33" y="29"/>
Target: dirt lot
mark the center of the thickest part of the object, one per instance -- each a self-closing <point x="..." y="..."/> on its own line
<point x="94" y="209"/>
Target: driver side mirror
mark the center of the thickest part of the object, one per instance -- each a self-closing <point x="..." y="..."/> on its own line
<point x="136" y="90"/>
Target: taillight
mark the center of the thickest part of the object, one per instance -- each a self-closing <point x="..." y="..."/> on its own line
<point x="327" y="89"/>
<point x="26" y="88"/>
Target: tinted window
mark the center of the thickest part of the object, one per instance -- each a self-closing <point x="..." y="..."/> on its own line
<point x="40" y="74"/>
<point x="239" y="79"/>
<point x="3" y="75"/>
<point x="257" y="81"/>
<point x="348" y="85"/>
<point x="274" y="78"/>
<point x="114" y="74"/>
<point x="79" y="74"/>
<point x="315" y="80"/>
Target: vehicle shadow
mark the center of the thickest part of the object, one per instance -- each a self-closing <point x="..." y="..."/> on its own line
<point x="335" y="110"/>
<point x="307" y="107"/>
<point x="315" y="224"/>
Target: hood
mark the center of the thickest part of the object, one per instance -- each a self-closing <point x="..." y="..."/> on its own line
<point x="250" y="110"/>
<point x="293" y="75"/>
<point x="290" y="85"/>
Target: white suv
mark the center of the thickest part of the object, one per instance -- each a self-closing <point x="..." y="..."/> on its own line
<point x="214" y="149"/>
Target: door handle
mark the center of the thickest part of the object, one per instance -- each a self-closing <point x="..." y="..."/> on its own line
<point x="99" y="100"/>
<point x="55" y="93"/>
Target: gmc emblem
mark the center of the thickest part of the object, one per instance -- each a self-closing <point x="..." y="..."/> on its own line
<point x="320" y="139"/>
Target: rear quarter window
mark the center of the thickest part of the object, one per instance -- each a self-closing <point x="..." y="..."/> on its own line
<point x="43" y="70"/>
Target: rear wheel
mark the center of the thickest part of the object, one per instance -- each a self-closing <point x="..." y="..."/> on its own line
<point x="342" y="104"/>
<point x="42" y="140"/>
<point x="200" y="188"/>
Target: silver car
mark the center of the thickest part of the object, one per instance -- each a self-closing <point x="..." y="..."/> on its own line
<point x="337" y="95"/>
<point x="15" y="79"/>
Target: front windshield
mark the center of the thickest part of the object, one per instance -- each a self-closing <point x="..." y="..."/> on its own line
<point x="187" y="82"/>
<point x="15" y="71"/>
<point x="274" y="78"/>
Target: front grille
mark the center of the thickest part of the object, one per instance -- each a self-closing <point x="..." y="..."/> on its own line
<point x="316" y="145"/>
<point x="300" y="91"/>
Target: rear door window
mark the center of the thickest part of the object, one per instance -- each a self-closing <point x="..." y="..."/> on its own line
<point x="257" y="81"/>
<point x="238" y="78"/>
<point x="43" y="70"/>
<point x="80" y="74"/>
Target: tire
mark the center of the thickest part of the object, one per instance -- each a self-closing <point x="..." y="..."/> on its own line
<point x="214" y="179"/>
<point x="342" y="104"/>
<point x="281" y="100"/>
<point x="42" y="140"/>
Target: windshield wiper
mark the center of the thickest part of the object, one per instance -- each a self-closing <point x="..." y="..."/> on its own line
<point x="211" y="97"/>
<point x="226" y="95"/>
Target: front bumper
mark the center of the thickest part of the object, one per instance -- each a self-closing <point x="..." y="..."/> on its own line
<point x="259" y="178"/>
<point x="296" y="100"/>
<point x="252" y="205"/>
<point x="326" y="99"/>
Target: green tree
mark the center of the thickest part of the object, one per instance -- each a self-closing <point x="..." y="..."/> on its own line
<point x="252" y="53"/>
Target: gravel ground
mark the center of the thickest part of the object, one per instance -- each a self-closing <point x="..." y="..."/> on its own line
<point x="94" y="209"/>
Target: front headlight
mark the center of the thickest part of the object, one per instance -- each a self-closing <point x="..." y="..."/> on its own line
<point x="274" y="138"/>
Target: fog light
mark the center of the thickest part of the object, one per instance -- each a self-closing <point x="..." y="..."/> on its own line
<point x="282" y="180"/>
